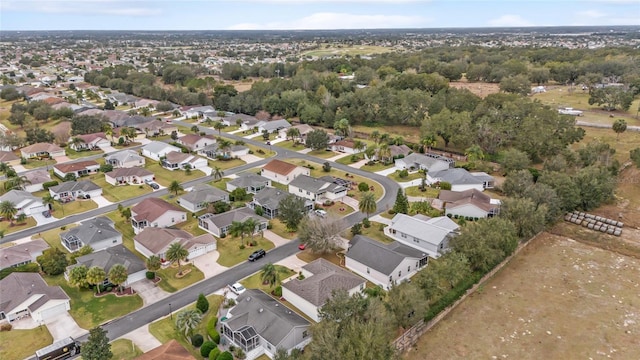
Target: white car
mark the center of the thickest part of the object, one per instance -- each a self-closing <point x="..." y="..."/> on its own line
<point x="237" y="288"/>
<point x="320" y="212"/>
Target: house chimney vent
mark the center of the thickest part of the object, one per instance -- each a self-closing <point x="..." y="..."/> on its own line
<point x="261" y="310"/>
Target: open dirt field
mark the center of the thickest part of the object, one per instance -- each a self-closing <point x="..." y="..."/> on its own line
<point x="479" y="88"/>
<point x="337" y="49"/>
<point x="558" y="299"/>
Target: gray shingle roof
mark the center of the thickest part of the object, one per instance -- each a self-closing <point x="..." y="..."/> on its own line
<point x="314" y="185"/>
<point x="85" y="185"/>
<point x="456" y="176"/>
<point x="93" y="231"/>
<point x="155" y="147"/>
<point x="381" y="257"/>
<point x="423" y="160"/>
<point x="326" y="279"/>
<point x="270" y="197"/>
<point x="17" y="196"/>
<point x="124" y="156"/>
<point x="434" y="231"/>
<point x="248" y="180"/>
<point x="205" y="193"/>
<point x="240" y="214"/>
<point x="18" y="287"/>
<point x="106" y="258"/>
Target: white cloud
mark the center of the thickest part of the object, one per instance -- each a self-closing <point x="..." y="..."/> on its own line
<point x="593" y="14"/>
<point x="509" y="21"/>
<point x="330" y="20"/>
<point x="88" y="7"/>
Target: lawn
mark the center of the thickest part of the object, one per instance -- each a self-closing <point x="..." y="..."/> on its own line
<point x="191" y="225"/>
<point x="348" y="160"/>
<point x="231" y="128"/>
<point x="124" y="227"/>
<point x="280" y="228"/>
<point x="258" y="137"/>
<point x="374" y="231"/>
<point x="52" y="237"/>
<point x="171" y="283"/>
<point x="7" y="228"/>
<point x="165" y="329"/>
<point x="220" y="184"/>
<point x="338" y="209"/>
<point x="231" y="254"/>
<point x="308" y="256"/>
<point x="75" y="207"/>
<point x="412" y="176"/>
<point x="131" y="144"/>
<point x="72" y="154"/>
<point x="415" y="191"/>
<point x="254" y="281"/>
<point x="35" y="163"/>
<point x="118" y="193"/>
<point x="626" y="142"/>
<point x="164" y="177"/>
<point x="409" y="133"/>
<point x="90" y="311"/>
<point x="353" y="50"/>
<point x="256" y="151"/>
<point x="290" y="145"/>
<point x="125" y="349"/>
<point x="322" y="154"/>
<point x="377" y="166"/>
<point x="21" y="344"/>
<point x="226" y="164"/>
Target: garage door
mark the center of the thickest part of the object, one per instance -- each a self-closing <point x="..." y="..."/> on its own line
<point x="54" y="311"/>
<point x="196" y="252"/>
<point x="36" y="209"/>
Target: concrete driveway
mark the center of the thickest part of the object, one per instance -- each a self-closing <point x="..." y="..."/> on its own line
<point x="386" y="172"/>
<point x="250" y="158"/>
<point x="108" y="149"/>
<point x="61" y="159"/>
<point x="101" y="201"/>
<point x="63" y="326"/>
<point x="41" y="220"/>
<point x="208" y="264"/>
<point x="207" y="170"/>
<point x="148" y="291"/>
<point x="143" y="338"/>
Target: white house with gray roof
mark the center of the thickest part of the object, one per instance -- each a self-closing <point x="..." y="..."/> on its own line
<point x="28" y="295"/>
<point x="157" y="149"/>
<point x="125" y="159"/>
<point x="219" y="224"/>
<point x="200" y="196"/>
<point x="383" y="264"/>
<point x="251" y="183"/>
<point x="273" y="126"/>
<point x="36" y="178"/>
<point x="431" y="235"/>
<point x="107" y="258"/>
<point x="317" y="189"/>
<point x="98" y="233"/>
<point x="321" y="279"/>
<point x="71" y="190"/>
<point x="260" y="324"/>
<point x="417" y="161"/>
<point x="25" y="202"/>
<point x="21" y="254"/>
<point x="460" y="179"/>
<point x="268" y="199"/>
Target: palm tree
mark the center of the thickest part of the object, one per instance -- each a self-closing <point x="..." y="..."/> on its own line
<point x="145" y="111"/>
<point x="78" y="276"/>
<point x="22" y="217"/>
<point x="218" y="126"/>
<point x="108" y="131"/>
<point x="237" y="229"/>
<point x="8" y="210"/>
<point x="359" y="145"/>
<point x="370" y="151"/>
<point x="367" y="203"/>
<point x="118" y="275"/>
<point x="293" y="133"/>
<point x="96" y="276"/>
<point x="428" y="142"/>
<point x="473" y="153"/>
<point x="217" y="174"/>
<point x="250" y="226"/>
<point x="16" y="182"/>
<point x="224" y="145"/>
<point x="271" y="274"/>
<point x="195" y="129"/>
<point x="375" y="136"/>
<point x="48" y="200"/>
<point x="177" y="253"/>
<point x="187" y="320"/>
<point x="384" y="152"/>
<point x="239" y="122"/>
<point x="384" y="138"/>
<point x="175" y="187"/>
<point x="76" y="141"/>
<point x="619" y="126"/>
<point x="154" y="263"/>
<point x="4" y="167"/>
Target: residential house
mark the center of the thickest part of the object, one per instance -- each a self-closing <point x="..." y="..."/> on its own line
<point x="155" y="212"/>
<point x="197" y="111"/>
<point x="347" y="146"/>
<point x="201" y="196"/>
<point x="488" y="181"/>
<point x="156" y="241"/>
<point x="156" y="128"/>
<point x="213" y="151"/>
<point x="251" y="183"/>
<point x="22" y="253"/>
<point x="176" y="160"/>
<point x="24" y="202"/>
<point x="470" y="203"/>
<point x="36" y="178"/>
<point x="125" y="159"/>
<point x="196" y="142"/>
<point x="157" y="149"/>
<point x="107" y="258"/>
<point x="129" y="176"/>
<point x="247" y="122"/>
<point x="78" y="169"/>
<point x="148" y="103"/>
<point x="89" y="142"/>
<point x="459" y="178"/>
<point x="219" y="224"/>
<point x="9" y="158"/>
<point x="383" y="264"/>
<point x="430" y="235"/>
<point x="260" y="324"/>
<point x="399" y="151"/>
<point x="98" y="233"/>
<point x="171" y="350"/>
<point x="42" y="150"/>
<point x="416" y="161"/>
<point x="273" y="126"/>
<point x="268" y="199"/>
<point x="317" y="190"/>
<point x="71" y="190"/>
<point x="321" y="280"/>
<point x="28" y="295"/>
<point x="283" y="172"/>
<point x="304" y="130"/>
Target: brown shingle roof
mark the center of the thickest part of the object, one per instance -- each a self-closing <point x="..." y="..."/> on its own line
<point x="6" y="156"/>
<point x="41" y="147"/>
<point x="80" y="165"/>
<point x="152" y="208"/>
<point x="169" y="351"/>
<point x="156" y="239"/>
<point x="174" y="157"/>
<point x="279" y="167"/>
<point x="87" y="138"/>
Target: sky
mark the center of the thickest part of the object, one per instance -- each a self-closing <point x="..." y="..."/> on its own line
<point x="309" y="14"/>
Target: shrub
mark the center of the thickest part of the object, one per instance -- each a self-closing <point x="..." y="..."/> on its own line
<point x="49" y="184"/>
<point x="328" y="203"/>
<point x="225" y="356"/>
<point x="215" y="336"/>
<point x="445" y="185"/>
<point x="635" y="156"/>
<point x="356" y="229"/>
<point x="151" y="275"/>
<point x="63" y="228"/>
<point x="403" y="173"/>
<point x="197" y="340"/>
<point x="380" y="227"/>
<point x="451" y="296"/>
<point x="300" y="276"/>
<point x="269" y="226"/>
<point x="207" y="347"/>
<point x="202" y="304"/>
<point x="363" y="186"/>
<point x="354" y="158"/>
<point x="277" y="291"/>
<point x="242" y="247"/>
<point x="259" y="211"/>
<point x="254" y="243"/>
<point x="105" y="168"/>
<point x="239" y="354"/>
<point x="5" y="327"/>
<point x="23" y="160"/>
<point x="366" y="223"/>
<point x="326" y="166"/>
<point x="213" y="355"/>
<point x="223" y="236"/>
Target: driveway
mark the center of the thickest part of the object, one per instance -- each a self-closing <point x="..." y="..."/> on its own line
<point x="339" y="156"/>
<point x="208" y="264"/>
<point x="63" y="326"/>
<point x="101" y="201"/>
<point x="61" y="159"/>
<point x="148" y="291"/>
<point x="411" y="183"/>
<point x="207" y="170"/>
<point x="359" y="164"/>
<point x="108" y="149"/>
<point x="41" y="220"/>
<point x="304" y="151"/>
<point x="386" y="172"/>
<point x="380" y="219"/>
<point x="276" y="239"/>
<point x="143" y="338"/>
<point x="292" y="262"/>
<point x="250" y="158"/>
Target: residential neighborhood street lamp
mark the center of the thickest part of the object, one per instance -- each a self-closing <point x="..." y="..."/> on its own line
<point x="170" y="312"/>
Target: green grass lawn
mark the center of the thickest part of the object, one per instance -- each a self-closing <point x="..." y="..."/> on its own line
<point x="415" y="191"/>
<point x="228" y="129"/>
<point x="290" y="145"/>
<point x="7" y="228"/>
<point x="124" y="227"/>
<point x="35" y="163"/>
<point x="624" y="144"/>
<point x="220" y="184"/>
<point x="266" y="153"/>
<point x="191" y="225"/>
<point x="171" y="283"/>
<point x="254" y="281"/>
<point x="125" y="349"/>
<point x="339" y="49"/>
<point x="118" y="193"/>
<point x="338" y="209"/>
<point x="133" y="143"/>
<point x="226" y="164"/>
<point x="20" y="344"/>
<point x="72" y="154"/>
<point x="258" y="137"/>
<point x="280" y="228"/>
<point x="323" y="154"/>
<point x="165" y="329"/>
<point x="90" y="311"/>
<point x="74" y="207"/>
<point x="412" y="176"/>
<point x="377" y="166"/>
<point x="52" y="237"/>
<point x="164" y="177"/>
<point x="308" y="256"/>
<point x="374" y="231"/>
<point x="348" y="160"/>
<point x="231" y="254"/>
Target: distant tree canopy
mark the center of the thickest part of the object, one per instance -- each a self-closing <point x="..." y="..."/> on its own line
<point x="87" y="124"/>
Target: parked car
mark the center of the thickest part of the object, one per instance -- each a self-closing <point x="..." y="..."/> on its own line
<point x="237" y="288"/>
<point x="302" y="246"/>
<point x="257" y="255"/>
<point x="154" y="186"/>
<point x="46" y="213"/>
<point x="320" y="212"/>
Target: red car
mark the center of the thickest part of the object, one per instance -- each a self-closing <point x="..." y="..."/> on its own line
<point x="302" y="246"/>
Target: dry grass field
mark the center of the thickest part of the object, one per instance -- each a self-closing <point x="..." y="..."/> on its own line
<point x="340" y="50"/>
<point x="481" y="89"/>
<point x="558" y="299"/>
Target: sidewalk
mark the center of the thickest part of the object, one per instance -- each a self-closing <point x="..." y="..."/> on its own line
<point x="380" y="219"/>
<point x="142" y="338"/>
